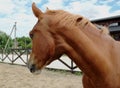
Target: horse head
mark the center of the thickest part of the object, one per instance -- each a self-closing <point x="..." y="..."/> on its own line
<point x="49" y="36"/>
<point x="46" y="45"/>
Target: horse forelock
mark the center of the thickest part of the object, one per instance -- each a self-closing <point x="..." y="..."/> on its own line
<point x="67" y="19"/>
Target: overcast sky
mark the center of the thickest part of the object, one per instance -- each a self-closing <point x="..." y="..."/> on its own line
<point x="20" y="11"/>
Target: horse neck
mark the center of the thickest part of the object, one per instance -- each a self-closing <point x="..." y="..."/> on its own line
<point x="83" y="50"/>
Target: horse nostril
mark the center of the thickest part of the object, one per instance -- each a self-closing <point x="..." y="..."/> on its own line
<point x="32" y="68"/>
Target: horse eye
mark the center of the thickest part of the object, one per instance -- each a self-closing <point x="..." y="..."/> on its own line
<point x="31" y="36"/>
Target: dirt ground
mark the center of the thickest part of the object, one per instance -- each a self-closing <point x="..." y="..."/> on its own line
<point x="14" y="76"/>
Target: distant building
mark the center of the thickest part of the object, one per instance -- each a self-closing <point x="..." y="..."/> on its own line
<point x="113" y="23"/>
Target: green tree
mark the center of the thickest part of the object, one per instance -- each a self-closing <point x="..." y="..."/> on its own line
<point x="24" y="42"/>
<point x="3" y="40"/>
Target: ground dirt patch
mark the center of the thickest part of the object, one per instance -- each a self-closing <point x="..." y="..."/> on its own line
<point x="14" y="76"/>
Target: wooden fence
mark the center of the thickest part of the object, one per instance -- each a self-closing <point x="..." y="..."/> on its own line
<point x="21" y="56"/>
<point x="12" y="55"/>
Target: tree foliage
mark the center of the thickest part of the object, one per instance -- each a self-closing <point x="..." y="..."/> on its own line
<point x="3" y="40"/>
<point x="22" y="42"/>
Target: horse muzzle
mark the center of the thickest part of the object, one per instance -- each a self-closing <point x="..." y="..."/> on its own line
<point x="32" y="67"/>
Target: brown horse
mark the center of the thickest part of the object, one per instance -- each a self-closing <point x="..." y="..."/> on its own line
<point x="58" y="32"/>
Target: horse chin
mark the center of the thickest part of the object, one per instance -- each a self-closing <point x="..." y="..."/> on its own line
<point x="37" y="72"/>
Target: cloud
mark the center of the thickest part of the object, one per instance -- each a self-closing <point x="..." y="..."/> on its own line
<point x="95" y="11"/>
<point x="116" y="13"/>
<point x="118" y="3"/>
<point x="89" y="9"/>
<point x="86" y="8"/>
<point x="6" y="7"/>
<point x="105" y="1"/>
<point x="16" y="11"/>
<point x="53" y="4"/>
<point x="20" y="11"/>
<point x="36" y="1"/>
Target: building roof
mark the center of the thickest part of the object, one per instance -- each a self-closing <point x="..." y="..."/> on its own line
<point x="114" y="28"/>
<point x="107" y="19"/>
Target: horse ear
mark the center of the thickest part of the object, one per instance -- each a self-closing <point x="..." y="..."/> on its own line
<point x="37" y="12"/>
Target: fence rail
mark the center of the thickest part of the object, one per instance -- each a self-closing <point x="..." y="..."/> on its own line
<point x="20" y="56"/>
<point x="12" y="55"/>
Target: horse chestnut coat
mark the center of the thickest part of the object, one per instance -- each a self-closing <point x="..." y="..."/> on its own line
<point x="58" y="32"/>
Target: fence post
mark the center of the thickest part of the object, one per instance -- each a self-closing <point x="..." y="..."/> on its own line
<point x="27" y="52"/>
<point x="12" y="50"/>
<point x="2" y="55"/>
<point x="72" y="68"/>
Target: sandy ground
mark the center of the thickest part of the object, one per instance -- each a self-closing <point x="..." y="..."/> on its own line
<point x="14" y="76"/>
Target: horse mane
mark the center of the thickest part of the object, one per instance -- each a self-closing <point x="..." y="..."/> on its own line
<point x="103" y="29"/>
<point x="67" y="19"/>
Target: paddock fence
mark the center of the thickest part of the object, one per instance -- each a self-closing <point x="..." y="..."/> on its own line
<point x="21" y="56"/>
<point x="15" y="56"/>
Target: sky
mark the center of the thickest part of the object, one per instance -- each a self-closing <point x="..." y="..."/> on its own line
<point x="20" y="11"/>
